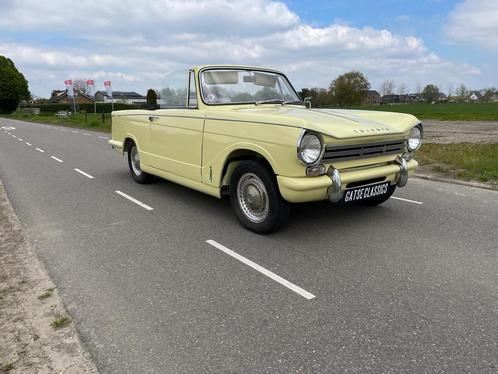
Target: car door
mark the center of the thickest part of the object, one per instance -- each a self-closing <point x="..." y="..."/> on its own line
<point x="175" y="137"/>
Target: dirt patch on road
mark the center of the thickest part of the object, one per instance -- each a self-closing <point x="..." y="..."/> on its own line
<point x="450" y="132"/>
<point x="36" y="333"/>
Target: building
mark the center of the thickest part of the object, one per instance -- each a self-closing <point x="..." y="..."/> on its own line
<point x="60" y="97"/>
<point x="475" y="96"/>
<point x="390" y="99"/>
<point x="371" y="98"/>
<point x="126" y="97"/>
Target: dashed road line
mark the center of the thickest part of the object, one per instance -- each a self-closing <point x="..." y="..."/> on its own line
<point x="20" y="139"/>
<point x="132" y="199"/>
<point x="407" y="200"/>
<point x="56" y="159"/>
<point x="40" y="150"/>
<point x="74" y="132"/>
<point x="262" y="270"/>
<point x="103" y="137"/>
<point x="28" y="144"/>
<point x="83" y="173"/>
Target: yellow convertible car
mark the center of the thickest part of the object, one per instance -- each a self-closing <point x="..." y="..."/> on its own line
<point x="244" y="131"/>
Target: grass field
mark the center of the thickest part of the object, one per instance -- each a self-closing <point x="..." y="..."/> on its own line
<point x="78" y="120"/>
<point x="462" y="161"/>
<point x="444" y="112"/>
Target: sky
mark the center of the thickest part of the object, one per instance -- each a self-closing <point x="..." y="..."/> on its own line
<point x="136" y="43"/>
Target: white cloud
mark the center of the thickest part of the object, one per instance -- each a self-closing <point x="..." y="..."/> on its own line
<point x="474" y="22"/>
<point x="403" y="18"/>
<point x="134" y="45"/>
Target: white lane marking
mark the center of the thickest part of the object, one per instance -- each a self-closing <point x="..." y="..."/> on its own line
<point x="87" y="134"/>
<point x="29" y="144"/>
<point x="56" y="159"/>
<point x="14" y="136"/>
<point x="268" y="273"/>
<point x="8" y="128"/>
<point x="40" y="150"/>
<point x="138" y="202"/>
<point x="103" y="137"/>
<point x="20" y="139"/>
<point x="74" y="132"/>
<point x="83" y="173"/>
<point x="408" y="201"/>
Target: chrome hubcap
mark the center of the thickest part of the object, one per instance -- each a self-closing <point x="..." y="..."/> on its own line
<point x="135" y="161"/>
<point x="253" y="198"/>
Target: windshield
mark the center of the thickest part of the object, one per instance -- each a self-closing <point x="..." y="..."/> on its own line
<point x="232" y="86"/>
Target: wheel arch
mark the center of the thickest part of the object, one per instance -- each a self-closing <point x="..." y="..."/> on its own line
<point x="128" y="141"/>
<point x="235" y="157"/>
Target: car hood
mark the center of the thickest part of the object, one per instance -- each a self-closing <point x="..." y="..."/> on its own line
<point x="338" y="123"/>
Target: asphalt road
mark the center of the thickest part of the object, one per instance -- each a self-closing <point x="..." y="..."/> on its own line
<point x="409" y="286"/>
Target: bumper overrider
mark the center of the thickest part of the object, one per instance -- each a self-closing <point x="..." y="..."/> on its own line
<point x="333" y="185"/>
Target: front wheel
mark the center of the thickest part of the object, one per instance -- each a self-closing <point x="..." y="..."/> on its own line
<point x="256" y="199"/>
<point x="137" y="173"/>
<point x="380" y="199"/>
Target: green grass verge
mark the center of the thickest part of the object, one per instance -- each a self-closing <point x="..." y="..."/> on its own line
<point x="444" y="112"/>
<point x="91" y="121"/>
<point x="461" y="161"/>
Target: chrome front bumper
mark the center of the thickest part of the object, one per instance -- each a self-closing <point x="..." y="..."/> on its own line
<point x="336" y="192"/>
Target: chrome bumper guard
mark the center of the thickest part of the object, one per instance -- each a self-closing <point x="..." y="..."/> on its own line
<point x="335" y="192"/>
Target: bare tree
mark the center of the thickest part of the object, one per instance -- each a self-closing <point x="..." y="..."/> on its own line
<point x="402" y="89"/>
<point x="462" y="92"/>
<point x="418" y="88"/>
<point x="79" y="85"/>
<point x="387" y="87"/>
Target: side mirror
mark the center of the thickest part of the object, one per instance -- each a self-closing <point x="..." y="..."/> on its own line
<point x="307" y="102"/>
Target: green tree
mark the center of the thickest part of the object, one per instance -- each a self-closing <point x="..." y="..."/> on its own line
<point x="430" y="93"/>
<point x="349" y="89"/>
<point x="151" y="97"/>
<point x="13" y="86"/>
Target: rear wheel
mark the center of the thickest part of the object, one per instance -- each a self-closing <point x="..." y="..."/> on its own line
<point x="256" y="199"/>
<point x="380" y="199"/>
<point x="134" y="163"/>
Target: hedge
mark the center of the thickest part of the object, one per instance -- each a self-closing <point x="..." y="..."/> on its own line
<point x="106" y="107"/>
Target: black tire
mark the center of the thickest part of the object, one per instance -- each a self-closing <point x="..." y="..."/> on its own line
<point x="137" y="174"/>
<point x="253" y="185"/>
<point x="380" y="199"/>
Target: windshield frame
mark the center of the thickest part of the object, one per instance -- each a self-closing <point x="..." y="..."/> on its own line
<point x="242" y="68"/>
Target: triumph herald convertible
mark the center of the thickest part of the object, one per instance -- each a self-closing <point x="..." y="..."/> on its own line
<point x="244" y="132"/>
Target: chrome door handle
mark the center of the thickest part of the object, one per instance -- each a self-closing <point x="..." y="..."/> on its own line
<point x="152" y="118"/>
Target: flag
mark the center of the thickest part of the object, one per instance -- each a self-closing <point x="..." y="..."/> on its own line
<point x="108" y="89"/>
<point x="69" y="87"/>
<point x="90" y="84"/>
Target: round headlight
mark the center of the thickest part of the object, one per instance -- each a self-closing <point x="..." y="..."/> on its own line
<point x="309" y="149"/>
<point x="415" y="139"/>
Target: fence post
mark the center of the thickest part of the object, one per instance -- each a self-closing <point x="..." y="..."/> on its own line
<point x="103" y="117"/>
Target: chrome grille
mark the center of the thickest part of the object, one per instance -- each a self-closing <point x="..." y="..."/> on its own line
<point x="358" y="151"/>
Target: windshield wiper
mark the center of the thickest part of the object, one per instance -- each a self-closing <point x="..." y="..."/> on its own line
<point x="270" y="101"/>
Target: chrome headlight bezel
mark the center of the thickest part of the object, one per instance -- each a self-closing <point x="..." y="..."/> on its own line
<point x="416" y="133"/>
<point x="319" y="147"/>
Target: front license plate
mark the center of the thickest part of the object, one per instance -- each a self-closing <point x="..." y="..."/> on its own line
<point x="363" y="193"/>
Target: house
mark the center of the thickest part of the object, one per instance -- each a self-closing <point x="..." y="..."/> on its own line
<point x="372" y="97"/>
<point x="415" y="98"/>
<point x="441" y="97"/>
<point x="474" y="96"/>
<point x="390" y="99"/>
<point x="60" y="97"/>
<point x="126" y="97"/>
